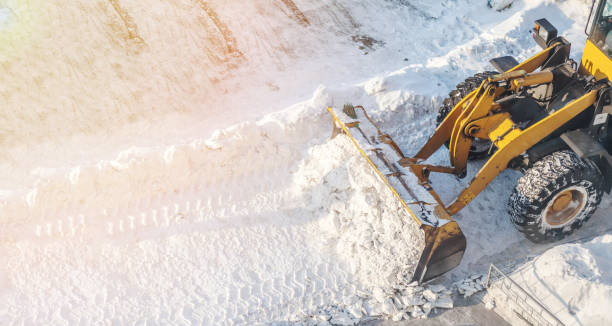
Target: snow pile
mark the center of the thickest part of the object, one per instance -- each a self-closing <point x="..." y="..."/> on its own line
<point x="574" y="281"/>
<point x="365" y="223"/>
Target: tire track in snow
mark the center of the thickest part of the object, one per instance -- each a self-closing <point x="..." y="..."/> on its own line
<point x="133" y="38"/>
<point x="297" y="14"/>
<point x="230" y="42"/>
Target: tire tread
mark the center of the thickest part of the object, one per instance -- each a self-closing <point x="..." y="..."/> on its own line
<point x="455" y="96"/>
<point x="545" y="179"/>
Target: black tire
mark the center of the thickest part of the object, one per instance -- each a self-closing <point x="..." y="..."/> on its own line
<point x="480" y="148"/>
<point x="555" y="179"/>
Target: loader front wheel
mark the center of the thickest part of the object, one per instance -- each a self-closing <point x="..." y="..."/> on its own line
<point x="480" y="148"/>
<point x="555" y="197"/>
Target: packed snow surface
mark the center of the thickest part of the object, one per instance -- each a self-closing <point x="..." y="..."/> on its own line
<point x="574" y="281"/>
<point x="170" y="162"/>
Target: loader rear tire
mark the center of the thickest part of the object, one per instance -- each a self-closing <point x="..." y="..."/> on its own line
<point x="556" y="196"/>
<point x="480" y="148"/>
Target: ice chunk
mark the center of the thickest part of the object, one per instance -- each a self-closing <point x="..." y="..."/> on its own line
<point x="500" y="5"/>
<point x="410" y="291"/>
<point x="417" y="312"/>
<point x="413" y="300"/>
<point x="375" y="309"/>
<point x="379" y="294"/>
<point x="446" y="303"/>
<point x="471" y="285"/>
<point x="430" y="295"/>
<point x="342" y="318"/>
<point x="388" y="308"/>
<point x="427" y="308"/>
<point x="356" y="310"/>
<point x="437" y="288"/>
<point x="399" y="316"/>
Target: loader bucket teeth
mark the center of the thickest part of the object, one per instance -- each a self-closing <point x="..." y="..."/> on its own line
<point x="443" y="243"/>
<point x="349" y="110"/>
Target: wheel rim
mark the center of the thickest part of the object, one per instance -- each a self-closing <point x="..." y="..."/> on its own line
<point x="565" y="206"/>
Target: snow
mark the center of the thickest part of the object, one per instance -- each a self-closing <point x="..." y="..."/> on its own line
<point x="170" y="162"/>
<point x="500" y="5"/>
<point x="379" y="246"/>
<point x="573" y="281"/>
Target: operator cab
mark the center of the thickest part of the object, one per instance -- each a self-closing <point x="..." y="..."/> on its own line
<point x="601" y="30"/>
<point x="596" y="59"/>
<point x="597" y="56"/>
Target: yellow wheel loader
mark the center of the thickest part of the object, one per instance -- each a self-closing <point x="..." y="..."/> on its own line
<point x="548" y="117"/>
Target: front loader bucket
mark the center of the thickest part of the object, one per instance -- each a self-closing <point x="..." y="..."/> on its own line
<point x="444" y="248"/>
<point x="444" y="243"/>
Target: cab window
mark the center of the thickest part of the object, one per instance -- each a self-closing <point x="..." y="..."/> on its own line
<point x="601" y="34"/>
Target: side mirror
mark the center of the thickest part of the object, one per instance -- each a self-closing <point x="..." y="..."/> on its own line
<point x="544" y="32"/>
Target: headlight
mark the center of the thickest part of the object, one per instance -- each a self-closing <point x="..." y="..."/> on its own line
<point x="543" y="33"/>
